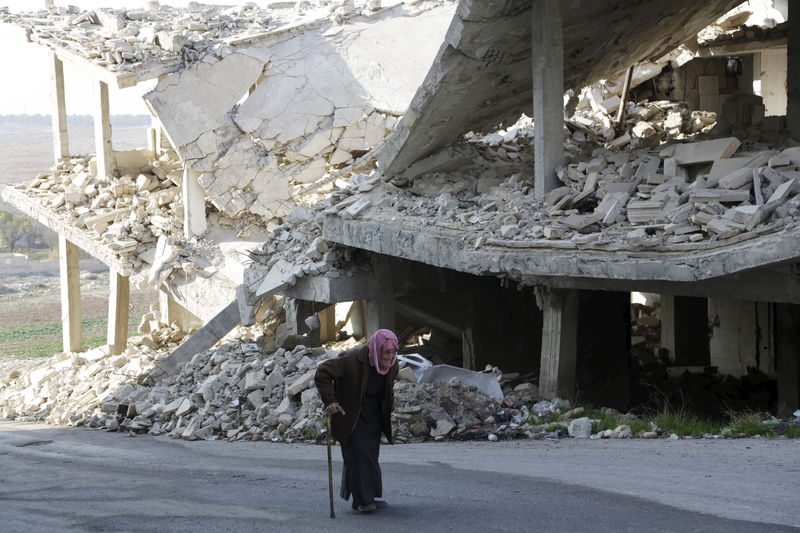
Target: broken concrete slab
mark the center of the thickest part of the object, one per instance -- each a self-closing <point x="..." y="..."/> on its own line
<point x="706" y="151"/>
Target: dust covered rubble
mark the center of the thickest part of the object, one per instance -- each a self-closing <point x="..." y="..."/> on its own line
<point x="676" y="196"/>
<point x="133" y="214"/>
<point x="235" y="391"/>
<point x="126" y="39"/>
<point x="317" y="100"/>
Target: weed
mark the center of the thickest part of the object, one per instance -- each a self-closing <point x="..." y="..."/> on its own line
<point x="792" y="433"/>
<point x="749" y="423"/>
<point x="44" y="339"/>
<point x="683" y="424"/>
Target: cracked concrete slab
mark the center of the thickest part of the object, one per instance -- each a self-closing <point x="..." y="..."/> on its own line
<point x="259" y="115"/>
<point x="481" y="77"/>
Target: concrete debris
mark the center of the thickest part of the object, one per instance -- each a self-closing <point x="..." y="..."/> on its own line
<point x="303" y="116"/>
<point x="249" y="390"/>
<point x="136" y="212"/>
<point x="580" y="428"/>
<point x="655" y="198"/>
<point x="124" y="40"/>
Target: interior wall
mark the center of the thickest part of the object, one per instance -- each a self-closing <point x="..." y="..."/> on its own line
<point x="773" y="81"/>
<point x="700" y="94"/>
<point x="741" y="336"/>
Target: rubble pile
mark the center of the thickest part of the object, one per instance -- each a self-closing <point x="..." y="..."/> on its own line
<point x="126" y="39"/>
<point x="235" y="391"/>
<point x="66" y="388"/>
<point x="646" y="124"/>
<point x="243" y="390"/>
<point x="128" y="213"/>
<point x="654" y="199"/>
<point x="646" y="334"/>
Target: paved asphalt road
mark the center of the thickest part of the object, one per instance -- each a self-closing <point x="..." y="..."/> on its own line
<point x="72" y="479"/>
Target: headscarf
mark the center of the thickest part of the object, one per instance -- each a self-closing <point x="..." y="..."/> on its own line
<point x="381" y="340"/>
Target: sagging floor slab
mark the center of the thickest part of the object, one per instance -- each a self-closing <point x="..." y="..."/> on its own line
<point x="576" y="342"/>
<point x="764" y="268"/>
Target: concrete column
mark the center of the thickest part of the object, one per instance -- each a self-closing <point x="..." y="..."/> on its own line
<point x="102" y="130"/>
<point x="469" y="356"/>
<point x="327" y="324"/>
<point x="59" y="111"/>
<point x="380" y="311"/>
<point x="194" y="205"/>
<point x="118" y="301"/>
<point x="69" y="268"/>
<point x="548" y="94"/>
<point x="358" y="319"/>
<point x="172" y="312"/>
<point x="793" y="71"/>
<point x="787" y="337"/>
<point x="297" y="311"/>
<point x="559" y="342"/>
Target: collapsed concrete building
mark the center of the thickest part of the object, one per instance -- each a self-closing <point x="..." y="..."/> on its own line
<point x="343" y="153"/>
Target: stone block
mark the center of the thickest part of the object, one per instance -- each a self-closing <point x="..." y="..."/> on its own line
<point x="697" y="153"/>
<point x="580" y="428"/>
<point x="736" y="179"/>
<point x="256" y="398"/>
<point x="300" y="384"/>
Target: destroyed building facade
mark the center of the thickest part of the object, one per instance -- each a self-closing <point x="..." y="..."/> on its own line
<point x="352" y="153"/>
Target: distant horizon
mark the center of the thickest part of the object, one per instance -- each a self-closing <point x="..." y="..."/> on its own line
<point x="72" y="115"/>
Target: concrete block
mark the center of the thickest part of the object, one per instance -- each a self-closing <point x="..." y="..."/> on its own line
<point x="736" y="179"/>
<point x="300" y="384"/>
<point x="706" y="151"/>
<point x="580" y="428"/>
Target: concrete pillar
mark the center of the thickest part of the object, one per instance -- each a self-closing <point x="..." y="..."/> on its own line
<point x="559" y="342"/>
<point x="380" y="310"/>
<point x="787" y="337"/>
<point x="773" y="81"/>
<point x="69" y="268"/>
<point x="102" y="130"/>
<point x="793" y="71"/>
<point x="118" y="301"/>
<point x="59" y="111"/>
<point x="297" y="311"/>
<point x="684" y="330"/>
<point x="194" y="205"/>
<point x="171" y="312"/>
<point x="548" y="94"/>
<point x="358" y="319"/>
<point x="327" y="324"/>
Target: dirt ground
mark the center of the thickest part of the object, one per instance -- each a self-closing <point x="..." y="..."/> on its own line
<point x="30" y="313"/>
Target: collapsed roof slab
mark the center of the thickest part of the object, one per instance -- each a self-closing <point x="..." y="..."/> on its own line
<point x="259" y="114"/>
<point x="482" y="74"/>
<point x="118" y="79"/>
<point x="203" y="296"/>
<point x="559" y="264"/>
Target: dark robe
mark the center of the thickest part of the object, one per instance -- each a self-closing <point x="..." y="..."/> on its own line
<point x="361" y="475"/>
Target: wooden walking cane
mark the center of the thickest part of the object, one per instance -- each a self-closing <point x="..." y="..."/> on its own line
<point x="330" y="469"/>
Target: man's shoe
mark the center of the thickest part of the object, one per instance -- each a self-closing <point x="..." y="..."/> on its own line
<point x="380" y="504"/>
<point x="366" y="509"/>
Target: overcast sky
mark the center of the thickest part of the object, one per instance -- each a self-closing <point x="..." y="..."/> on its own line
<point x="26" y="80"/>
